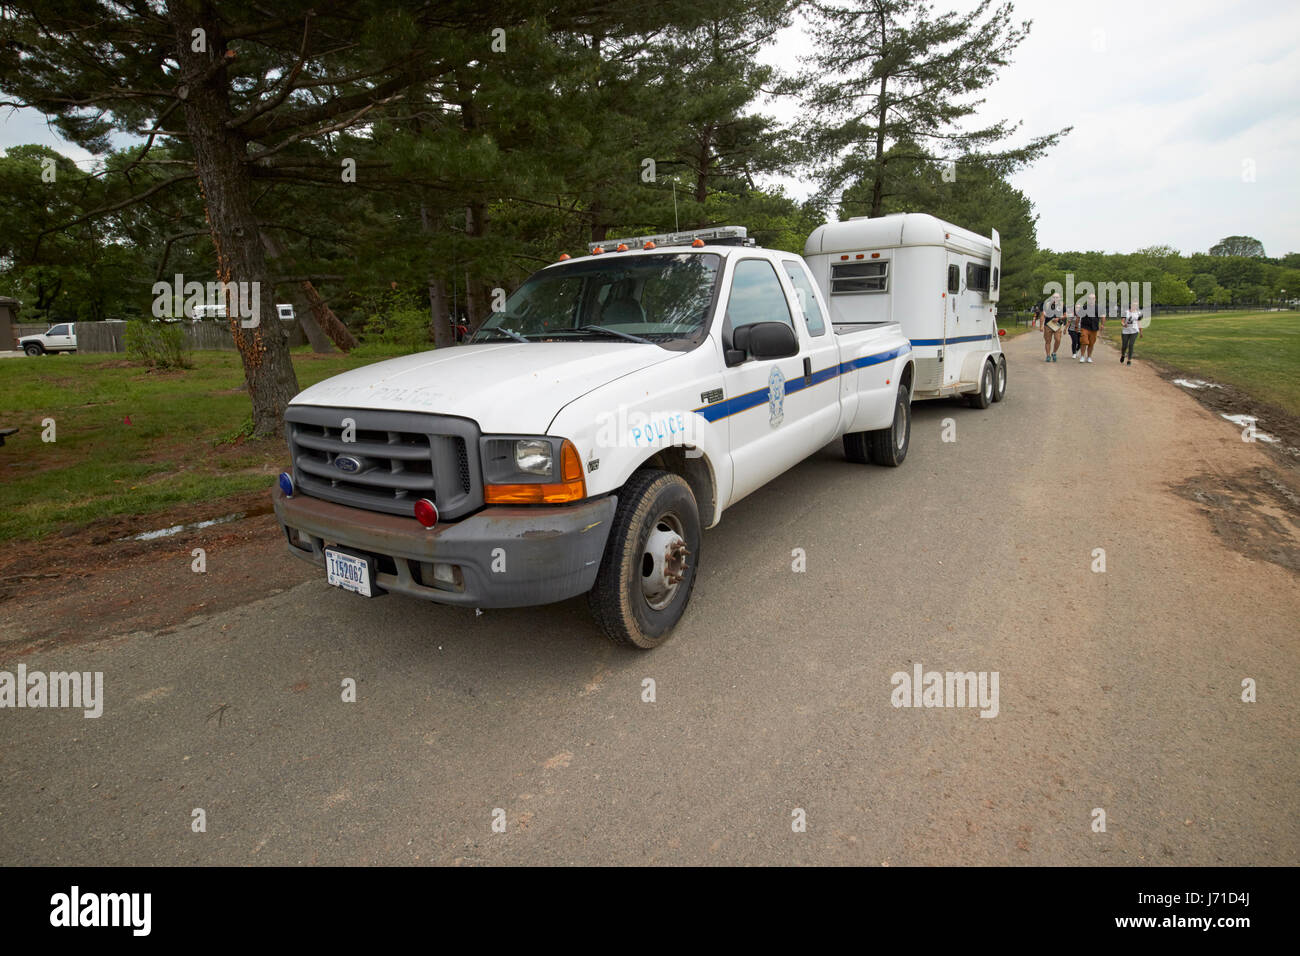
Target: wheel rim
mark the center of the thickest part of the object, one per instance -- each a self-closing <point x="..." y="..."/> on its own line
<point x="663" y="562"/>
<point x="988" y="386"/>
<point x="1002" y="377"/>
<point x="900" y="431"/>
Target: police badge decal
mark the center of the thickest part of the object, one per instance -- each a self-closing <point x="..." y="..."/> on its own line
<point x="775" y="398"/>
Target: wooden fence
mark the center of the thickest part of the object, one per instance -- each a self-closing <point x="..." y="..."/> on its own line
<point x="111" y="336"/>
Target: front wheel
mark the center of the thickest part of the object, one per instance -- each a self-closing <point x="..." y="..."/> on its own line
<point x="648" y="571"/>
<point x="1000" y="379"/>
<point x="33" y="349"/>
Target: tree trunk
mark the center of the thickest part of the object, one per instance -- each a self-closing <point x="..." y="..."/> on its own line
<point x="441" y="324"/>
<point x="440" y="318"/>
<point x="319" y="341"/>
<point x="339" y="333"/>
<point x="882" y="114"/>
<point x="220" y="158"/>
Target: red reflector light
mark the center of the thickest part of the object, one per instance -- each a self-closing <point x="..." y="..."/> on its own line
<point x="842" y="258"/>
<point x="859" y="255"/>
<point x="874" y="255"/>
<point x="1002" y="331"/>
<point x="426" y="512"/>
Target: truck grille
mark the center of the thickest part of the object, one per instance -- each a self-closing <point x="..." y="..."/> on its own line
<point x="392" y="459"/>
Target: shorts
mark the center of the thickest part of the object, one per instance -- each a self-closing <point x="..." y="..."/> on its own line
<point x="1049" y="335"/>
<point x="1087" y="336"/>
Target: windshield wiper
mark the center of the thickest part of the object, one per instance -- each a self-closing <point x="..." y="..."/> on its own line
<point x="504" y="331"/>
<point x="614" y="332"/>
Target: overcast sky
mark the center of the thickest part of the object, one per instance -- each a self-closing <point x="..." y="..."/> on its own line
<point x="1186" y="120"/>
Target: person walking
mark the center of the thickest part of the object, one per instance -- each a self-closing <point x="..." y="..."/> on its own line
<point x="1129" y="331"/>
<point x="1091" y="324"/>
<point x="1051" y="329"/>
<point x="1072" y="327"/>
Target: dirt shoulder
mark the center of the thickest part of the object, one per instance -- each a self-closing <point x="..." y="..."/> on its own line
<point x="92" y="582"/>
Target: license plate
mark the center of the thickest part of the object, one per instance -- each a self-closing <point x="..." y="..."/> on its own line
<point x="351" y="572"/>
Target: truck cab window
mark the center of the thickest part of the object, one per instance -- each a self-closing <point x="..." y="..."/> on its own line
<point x="756" y="295"/>
<point x="58" y="330"/>
<point x="812" y="313"/>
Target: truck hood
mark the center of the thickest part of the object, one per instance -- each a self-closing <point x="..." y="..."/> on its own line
<point x="510" y="387"/>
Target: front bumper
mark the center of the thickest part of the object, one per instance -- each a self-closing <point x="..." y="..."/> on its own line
<point x="506" y="556"/>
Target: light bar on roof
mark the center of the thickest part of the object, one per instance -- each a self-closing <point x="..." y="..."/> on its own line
<point x="715" y="235"/>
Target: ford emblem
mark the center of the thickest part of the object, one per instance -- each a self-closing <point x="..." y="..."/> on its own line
<point x="347" y="463"/>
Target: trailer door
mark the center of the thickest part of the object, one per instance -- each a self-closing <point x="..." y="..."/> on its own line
<point x="995" y="278"/>
<point x="956" y="279"/>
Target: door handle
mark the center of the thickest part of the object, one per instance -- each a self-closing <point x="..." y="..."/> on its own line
<point x="807" y="372"/>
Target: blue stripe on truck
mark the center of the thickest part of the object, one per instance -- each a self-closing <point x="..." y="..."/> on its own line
<point x="964" y="338"/>
<point x="743" y="403"/>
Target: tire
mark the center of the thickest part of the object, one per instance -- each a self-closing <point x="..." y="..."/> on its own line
<point x="1000" y="379"/>
<point x="857" y="447"/>
<point x="984" y="397"/>
<point x="889" y="445"/>
<point x="33" y="349"/>
<point x="635" y="608"/>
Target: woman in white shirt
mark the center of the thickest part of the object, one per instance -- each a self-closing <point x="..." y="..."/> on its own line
<point x="1130" y="329"/>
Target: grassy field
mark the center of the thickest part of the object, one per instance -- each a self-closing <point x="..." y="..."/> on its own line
<point x="1259" y="352"/>
<point x="129" y="440"/>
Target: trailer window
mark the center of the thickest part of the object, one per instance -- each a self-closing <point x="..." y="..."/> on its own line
<point x="812" y="312"/>
<point x="954" y="279"/>
<point x="855" y="278"/>
<point x="995" y="280"/>
<point x="977" y="277"/>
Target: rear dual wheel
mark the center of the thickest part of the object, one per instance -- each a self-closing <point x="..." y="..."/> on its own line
<point x="886" y="446"/>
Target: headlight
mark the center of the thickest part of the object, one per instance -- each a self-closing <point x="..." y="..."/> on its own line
<point x="531" y="471"/>
<point x="535" y="457"/>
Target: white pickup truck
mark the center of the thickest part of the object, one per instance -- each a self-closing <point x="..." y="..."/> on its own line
<point x="58" y="338"/>
<point x="617" y="405"/>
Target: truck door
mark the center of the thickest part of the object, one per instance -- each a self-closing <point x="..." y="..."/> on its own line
<point x="764" y="408"/>
<point x="821" y="362"/>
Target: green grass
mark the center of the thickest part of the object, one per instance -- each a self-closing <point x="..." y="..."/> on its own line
<point x="1259" y="352"/>
<point x="186" y="441"/>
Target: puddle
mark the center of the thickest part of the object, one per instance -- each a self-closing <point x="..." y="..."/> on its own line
<point x="1195" y="383"/>
<point x="177" y="529"/>
<point x="1243" y="420"/>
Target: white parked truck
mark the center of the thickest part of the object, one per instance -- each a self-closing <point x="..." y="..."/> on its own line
<point x="617" y="405"/>
<point x="57" y="338"/>
<point x="940" y="282"/>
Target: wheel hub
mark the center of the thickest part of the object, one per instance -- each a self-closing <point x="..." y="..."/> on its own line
<point x="663" y="565"/>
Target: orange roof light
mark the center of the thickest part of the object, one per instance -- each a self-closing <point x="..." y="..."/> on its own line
<point x="649" y="245"/>
<point x="874" y="255"/>
<point x="597" y="251"/>
<point x="622" y="247"/>
<point x="843" y="258"/>
<point x="563" y="256"/>
<point x="859" y="256"/>
<point x="698" y="243"/>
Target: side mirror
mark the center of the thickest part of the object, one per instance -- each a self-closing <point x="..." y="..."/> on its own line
<point x="766" y="340"/>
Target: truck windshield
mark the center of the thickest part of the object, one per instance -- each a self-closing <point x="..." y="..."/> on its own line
<point x="655" y="298"/>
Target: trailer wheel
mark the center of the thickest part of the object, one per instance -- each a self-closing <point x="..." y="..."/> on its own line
<point x="984" y="397"/>
<point x="888" y="446"/>
<point x="1000" y="379"/>
<point x="648" y="571"/>
<point x="33" y="349"/>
